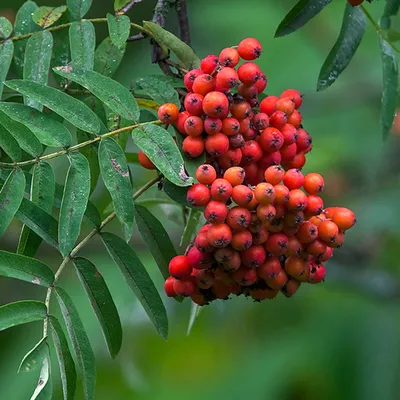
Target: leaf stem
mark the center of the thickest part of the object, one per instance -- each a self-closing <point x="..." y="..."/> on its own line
<point x="77" y="146"/>
<point x="68" y="24"/>
<point x="378" y="29"/>
<point x="84" y="242"/>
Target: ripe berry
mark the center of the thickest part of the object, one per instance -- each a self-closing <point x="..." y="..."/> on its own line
<point x="293" y="179"/>
<point x="262" y="82"/>
<point x="198" y="195"/>
<point x="269" y="159"/>
<point x="297" y="200"/>
<point x="297" y="162"/>
<point x="261" y="237"/>
<point x="264" y="193"/>
<point x="278" y="119"/>
<point x="179" y="267"/>
<point x="221" y="290"/>
<point x="295" y="119"/>
<point x="169" y="287"/>
<point x="344" y="218"/>
<point x="293" y="219"/>
<point x="204" y="279"/>
<point x="315" y="205"/>
<point x="249" y="92"/>
<point x="221" y="190"/>
<point x="255" y="224"/>
<point x="267" y="105"/>
<point x="250" y="134"/>
<point x="190" y="76"/>
<point x="193" y="146"/>
<point x="249" y="73"/>
<point x="317" y="248"/>
<point x="216" y="104"/>
<point x="231" y="158"/>
<point x="317" y="273"/>
<point x="168" y="113"/>
<point x="289" y="133"/>
<point x="203" y="84"/>
<point x="314" y="183"/>
<point x="260" y="121"/>
<point x="235" y="175"/>
<point x="355" y="3"/>
<point x="236" y="141"/>
<point x="294" y="248"/>
<point x="245" y="276"/>
<point x="288" y="152"/>
<point x="227" y="78"/>
<point x="212" y="125"/>
<point x="270" y="268"/>
<point x="254" y="256"/>
<point x="240" y="109"/>
<point x="219" y="235"/>
<point x="281" y="194"/>
<point x="209" y="63"/>
<point x="274" y="174"/>
<point x="251" y="152"/>
<point x="293" y="95"/>
<point x="202" y="243"/>
<point x="271" y="140"/>
<point x="215" y="212"/>
<point x="194" y="126"/>
<point x="277" y="244"/>
<point x="199" y="259"/>
<point x="234" y="263"/>
<point x="241" y="240"/>
<point x="249" y="49"/>
<point x="217" y="144"/>
<point x="297" y="268"/>
<point x="266" y="212"/>
<point x="184" y="288"/>
<point x="327" y="255"/>
<point x="145" y="161"/>
<point x="307" y="233"/>
<point x="285" y="105"/>
<point x="244" y="125"/>
<point x="230" y="126"/>
<point x="304" y="140"/>
<point x="327" y="231"/>
<point x="229" y="57"/>
<point x="206" y="174"/>
<point x="223" y="255"/>
<point x="291" y="287"/>
<point x="242" y="195"/>
<point x="194" y="104"/>
<point x="279" y="281"/>
<point x="262" y="294"/>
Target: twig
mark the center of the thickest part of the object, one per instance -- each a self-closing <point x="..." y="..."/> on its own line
<point x="181" y="8"/>
<point x="83" y="243"/>
<point x="127" y="7"/>
<point x="76" y="147"/>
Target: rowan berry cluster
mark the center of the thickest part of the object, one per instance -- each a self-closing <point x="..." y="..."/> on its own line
<point x="267" y="229"/>
<point x="357" y="2"/>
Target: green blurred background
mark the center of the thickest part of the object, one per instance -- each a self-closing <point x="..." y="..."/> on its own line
<point x="337" y="340"/>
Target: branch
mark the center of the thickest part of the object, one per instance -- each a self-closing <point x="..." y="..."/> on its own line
<point x="76" y="147"/>
<point x="83" y="243"/>
<point x="181" y="8"/>
<point x="127" y="7"/>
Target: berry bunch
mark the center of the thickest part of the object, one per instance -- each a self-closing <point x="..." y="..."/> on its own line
<point x="355" y="3"/>
<point x="267" y="229"/>
<point x="258" y="240"/>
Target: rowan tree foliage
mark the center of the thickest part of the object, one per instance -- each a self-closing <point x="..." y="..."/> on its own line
<point x="65" y="103"/>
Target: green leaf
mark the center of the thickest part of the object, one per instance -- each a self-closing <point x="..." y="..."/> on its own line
<point x="5" y="28"/>
<point x="9" y="144"/>
<point x="82" y="39"/>
<point x="102" y="303"/>
<point x="190" y="228"/>
<point x="6" y="54"/>
<point x="186" y="56"/>
<point x="115" y="173"/>
<point x="23" y="25"/>
<point x="119" y="28"/>
<point x="11" y="196"/>
<point x="37" y="61"/>
<point x="299" y="15"/>
<point x="44" y="387"/>
<point x="195" y="310"/>
<point x="118" y="4"/>
<point x="25" y="269"/>
<point x="24" y="136"/>
<point x="391" y="9"/>
<point x="49" y="131"/>
<point x="171" y="80"/>
<point x="78" y="8"/>
<point x="159" y="90"/>
<point x="73" y="110"/>
<point x="138" y="280"/>
<point x="80" y="342"/>
<point x="34" y="358"/>
<point x="107" y="58"/>
<point x="74" y="202"/>
<point x="351" y="33"/>
<point x="176" y="193"/>
<point x="39" y="221"/>
<point x="155" y="238"/>
<point x="91" y="155"/>
<point x="21" y="312"/>
<point x="61" y="50"/>
<point x="65" y="360"/>
<point x="47" y="16"/>
<point x="117" y="97"/>
<point x="42" y="194"/>
<point x="389" y="87"/>
<point x="160" y="147"/>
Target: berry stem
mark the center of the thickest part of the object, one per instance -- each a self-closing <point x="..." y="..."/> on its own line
<point x="77" y="146"/>
<point x="84" y="242"/>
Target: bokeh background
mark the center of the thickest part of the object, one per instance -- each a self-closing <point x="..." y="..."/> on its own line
<point x="337" y="340"/>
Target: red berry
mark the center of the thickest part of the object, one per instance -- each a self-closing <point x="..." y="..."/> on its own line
<point x="269" y="159"/>
<point x="212" y="125"/>
<point x="245" y="276"/>
<point x="295" y="119"/>
<point x="242" y="195"/>
<point x="180" y="122"/>
<point x="242" y="240"/>
<point x="274" y="174"/>
<point x="230" y="126"/>
<point x="293" y="179"/>
<point x="145" y="161"/>
<point x="315" y="205"/>
<point x="203" y="84"/>
<point x="304" y="140"/>
<point x="314" y="183"/>
<point x="278" y="119"/>
<point x="262" y="82"/>
<point x="249" y="49"/>
<point x="179" y="267"/>
<point x="281" y="194"/>
<point x="254" y="256"/>
<point x="209" y="63"/>
<point x="285" y="105"/>
<point x="266" y="212"/>
<point x="291" y="287"/>
<point x="199" y="259"/>
<point x="249" y="73"/>
<point x="279" y="281"/>
<point x="168" y="113"/>
<point x="221" y="190"/>
<point x="229" y="57"/>
<point x="219" y="235"/>
<point x="277" y="244"/>
<point x="193" y="146"/>
<point x="251" y="152"/>
<point x="270" y="269"/>
<point x="194" y="104"/>
<point x="169" y="287"/>
<point x="201" y="242"/>
<point x="344" y="218"/>
<point x="235" y="175"/>
<point x="267" y="105"/>
<point x="288" y="153"/>
<point x="317" y="272"/>
<point x="264" y="193"/>
<point x="307" y="232"/>
<point x="184" y="288"/>
<point x="227" y="78"/>
<point x="216" y="104"/>
<point x="328" y="231"/>
<point x="238" y="218"/>
<point x="194" y="126"/>
<point x="293" y="95"/>
<point x="215" y="212"/>
<point x="298" y="200"/>
<point x="240" y="109"/>
<point x="206" y="174"/>
<point x="189" y="78"/>
<point x="297" y="268"/>
<point x="289" y="133"/>
<point x="198" y="195"/>
<point x="217" y="144"/>
<point x="260" y="121"/>
<point x="231" y="158"/>
<point x="271" y="140"/>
